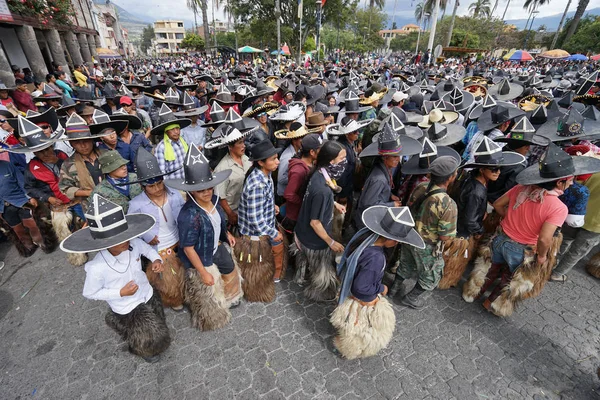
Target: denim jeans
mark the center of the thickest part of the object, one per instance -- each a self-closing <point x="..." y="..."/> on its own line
<point x="507" y="251"/>
<point x="584" y="242"/>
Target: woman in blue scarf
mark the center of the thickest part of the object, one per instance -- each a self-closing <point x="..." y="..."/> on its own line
<point x="115" y="185"/>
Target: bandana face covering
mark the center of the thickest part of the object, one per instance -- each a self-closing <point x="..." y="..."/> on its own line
<point x="336" y="170"/>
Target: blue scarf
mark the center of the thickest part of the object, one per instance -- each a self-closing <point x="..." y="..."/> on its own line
<point x="346" y="269"/>
<point x="124" y="190"/>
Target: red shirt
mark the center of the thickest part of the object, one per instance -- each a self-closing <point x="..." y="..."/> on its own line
<point x="524" y="224"/>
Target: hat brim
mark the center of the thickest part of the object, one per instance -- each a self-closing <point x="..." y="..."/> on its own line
<point x="509" y="158"/>
<point x="410" y="146"/>
<point x="49" y="142"/>
<point x="270" y="153"/>
<point x="484" y="122"/>
<point x="372" y="218"/>
<point x="338" y="130"/>
<point x="182" y="122"/>
<point x="223" y="141"/>
<point x="536" y="140"/>
<point x="548" y="130"/>
<point x="411" y="167"/>
<point x="148" y="177"/>
<point x="285" y="117"/>
<point x="515" y="91"/>
<point x="358" y="111"/>
<point x="449" y="116"/>
<point x="83" y="242"/>
<point x="134" y="121"/>
<point x="454" y="134"/>
<point x="179" y="184"/>
<point x="412" y="118"/>
<point x="118" y="125"/>
<point x="263" y="108"/>
<point x="583" y="165"/>
<point x="191" y="112"/>
<point x="464" y="105"/>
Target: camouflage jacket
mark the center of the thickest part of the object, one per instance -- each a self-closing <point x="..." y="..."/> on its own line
<point x="108" y="191"/>
<point x="437" y="215"/>
<point x="74" y="176"/>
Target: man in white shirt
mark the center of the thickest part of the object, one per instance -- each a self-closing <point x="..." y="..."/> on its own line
<point x="115" y="275"/>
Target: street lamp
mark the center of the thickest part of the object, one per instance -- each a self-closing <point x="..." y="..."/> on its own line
<point x="426" y="15"/>
<point x="534" y="13"/>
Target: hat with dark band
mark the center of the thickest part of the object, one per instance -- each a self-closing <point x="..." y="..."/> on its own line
<point x="166" y="117"/>
<point x="297" y="130"/>
<point x="389" y="143"/>
<point x="77" y="129"/>
<point x="496" y="116"/>
<point x="556" y="164"/>
<point x="505" y="90"/>
<point x="571" y="125"/>
<point x="349" y="127"/>
<point x="490" y="154"/>
<point x="523" y="134"/>
<point x="198" y="175"/>
<point x="147" y="168"/>
<point x="225" y="134"/>
<point x="108" y="226"/>
<point x="33" y="135"/>
<point x="394" y="223"/>
<point x="419" y="163"/>
<point x="102" y="122"/>
<point x="133" y="120"/>
<point x="445" y="135"/>
<point x="289" y="112"/>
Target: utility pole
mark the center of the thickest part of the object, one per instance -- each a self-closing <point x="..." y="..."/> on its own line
<point x="319" y="12"/>
<point x="300" y="12"/>
<point x="433" y="26"/>
<point x="278" y="16"/>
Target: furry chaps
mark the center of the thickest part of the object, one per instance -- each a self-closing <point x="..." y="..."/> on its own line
<point x="255" y="260"/>
<point x="207" y="303"/>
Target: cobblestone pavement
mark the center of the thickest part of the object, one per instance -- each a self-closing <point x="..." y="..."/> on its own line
<point x="55" y="345"/>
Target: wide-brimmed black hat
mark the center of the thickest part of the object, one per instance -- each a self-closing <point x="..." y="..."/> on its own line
<point x="388" y="142"/>
<point x="189" y="109"/>
<point x="460" y="99"/>
<point x="108" y="226"/>
<point x="243" y="124"/>
<point x="542" y="114"/>
<point x="505" y="90"/>
<point x="490" y="154"/>
<point x="197" y="172"/>
<point x="33" y="135"/>
<point x="409" y="118"/>
<point x="395" y="223"/>
<point x="146" y="167"/>
<point x="400" y="128"/>
<point x="120" y="115"/>
<point x="217" y="116"/>
<point x="102" y="121"/>
<point x="77" y="129"/>
<point x="496" y="116"/>
<point x="314" y="93"/>
<point x="263" y="150"/>
<point x="166" y="117"/>
<point x="419" y="163"/>
<point x="352" y="104"/>
<point x="588" y="81"/>
<point x="223" y="96"/>
<point x="67" y="103"/>
<point x="439" y="104"/>
<point x="48" y="93"/>
<point x="556" y="164"/>
<point x="569" y="126"/>
<point x="522" y="134"/>
<point x="445" y="135"/>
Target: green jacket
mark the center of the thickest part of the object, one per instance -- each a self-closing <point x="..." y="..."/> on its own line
<point x="108" y="191"/>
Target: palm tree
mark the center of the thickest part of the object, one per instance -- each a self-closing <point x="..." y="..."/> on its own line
<point x="535" y="4"/>
<point x="427" y="7"/>
<point x="581" y="6"/>
<point x="194" y="5"/>
<point x="451" y="28"/>
<point x="481" y="8"/>
<point x="377" y="3"/>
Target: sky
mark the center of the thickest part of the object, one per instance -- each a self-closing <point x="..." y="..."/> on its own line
<point x="158" y="9"/>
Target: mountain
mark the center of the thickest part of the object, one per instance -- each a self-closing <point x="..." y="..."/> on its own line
<point x="550" y="21"/>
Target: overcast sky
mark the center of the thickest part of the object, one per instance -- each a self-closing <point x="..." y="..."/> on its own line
<point x="158" y="9"/>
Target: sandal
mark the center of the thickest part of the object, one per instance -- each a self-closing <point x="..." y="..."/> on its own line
<point x="558" y="278"/>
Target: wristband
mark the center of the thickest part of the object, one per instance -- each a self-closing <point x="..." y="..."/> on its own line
<point x="332" y="242"/>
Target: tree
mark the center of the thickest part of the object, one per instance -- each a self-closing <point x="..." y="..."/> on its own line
<point x="147" y="37"/>
<point x="560" y="25"/>
<point x="581" y="6"/>
<point x="427" y="6"/>
<point x="449" y="35"/>
<point x="586" y="38"/>
<point x="542" y="28"/>
<point x="226" y="39"/>
<point x="481" y="8"/>
<point x="192" y="42"/>
<point x="194" y="5"/>
<point x="377" y="3"/>
<point x="404" y="42"/>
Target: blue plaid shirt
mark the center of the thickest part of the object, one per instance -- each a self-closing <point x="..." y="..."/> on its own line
<point x="256" y="212"/>
<point x="171" y="165"/>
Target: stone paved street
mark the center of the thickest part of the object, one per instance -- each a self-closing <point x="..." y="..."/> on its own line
<point x="55" y="345"/>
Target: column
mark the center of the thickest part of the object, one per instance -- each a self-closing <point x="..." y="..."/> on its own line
<point x="98" y="43"/>
<point x="84" y="47"/>
<point x="6" y="75"/>
<point x="73" y="48"/>
<point x="30" y="47"/>
<point x="56" y="49"/>
<point x="92" y="46"/>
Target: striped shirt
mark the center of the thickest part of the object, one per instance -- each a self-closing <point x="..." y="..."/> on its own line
<point x="165" y="165"/>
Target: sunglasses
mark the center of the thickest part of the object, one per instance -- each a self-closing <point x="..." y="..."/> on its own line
<point x="126" y="105"/>
<point x="2" y="121"/>
<point x="44" y="127"/>
<point x="493" y="169"/>
<point x="262" y="114"/>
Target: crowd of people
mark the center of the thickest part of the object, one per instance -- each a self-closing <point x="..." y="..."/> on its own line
<point x="200" y="185"/>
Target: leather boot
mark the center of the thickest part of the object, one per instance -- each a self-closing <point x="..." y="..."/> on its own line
<point x="34" y="231"/>
<point x="414" y="299"/>
<point x="397" y="287"/>
<point x="505" y="278"/>
<point x="24" y="238"/>
<point x="490" y="278"/>
<point x="278" y="260"/>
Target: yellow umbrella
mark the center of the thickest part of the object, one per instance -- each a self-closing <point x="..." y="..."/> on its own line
<point x="556" y="54"/>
